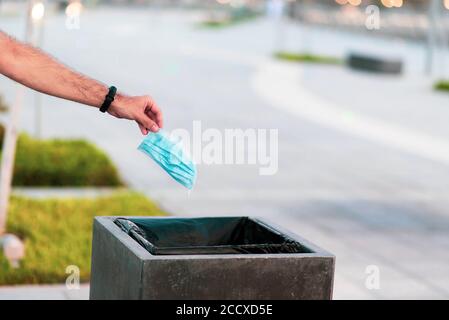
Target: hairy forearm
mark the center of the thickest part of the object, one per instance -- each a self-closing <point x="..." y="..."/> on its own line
<point x="39" y="71"/>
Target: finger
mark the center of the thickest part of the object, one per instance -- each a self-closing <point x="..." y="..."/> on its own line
<point x="154" y="109"/>
<point x="158" y="114"/>
<point x="142" y="129"/>
<point x="152" y="116"/>
<point x="157" y="120"/>
<point x="147" y="123"/>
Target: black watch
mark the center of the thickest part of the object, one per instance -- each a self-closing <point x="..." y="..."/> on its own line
<point x="108" y="99"/>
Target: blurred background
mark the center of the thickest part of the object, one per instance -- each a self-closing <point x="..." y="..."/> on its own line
<point x="356" y="88"/>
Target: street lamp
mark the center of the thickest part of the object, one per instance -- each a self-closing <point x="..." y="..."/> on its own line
<point x="436" y="38"/>
<point x="37" y="17"/>
<point x="12" y="246"/>
<point x="275" y="10"/>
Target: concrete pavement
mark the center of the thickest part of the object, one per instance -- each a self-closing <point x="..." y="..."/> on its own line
<point x="44" y="292"/>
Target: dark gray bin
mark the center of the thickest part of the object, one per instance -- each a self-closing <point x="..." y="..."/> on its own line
<point x="374" y="64"/>
<point x="123" y="269"/>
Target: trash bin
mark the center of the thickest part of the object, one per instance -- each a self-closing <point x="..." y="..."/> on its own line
<point x="367" y="62"/>
<point x="205" y="258"/>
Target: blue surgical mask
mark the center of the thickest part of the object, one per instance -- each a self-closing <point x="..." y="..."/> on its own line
<point x="169" y="155"/>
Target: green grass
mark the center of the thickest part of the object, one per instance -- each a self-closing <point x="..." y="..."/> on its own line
<point x="233" y="20"/>
<point x="306" y="58"/>
<point x="216" y="23"/>
<point x="58" y="162"/>
<point x="441" y="85"/>
<point x="58" y="233"/>
<point x="2" y="134"/>
<point x="3" y="106"/>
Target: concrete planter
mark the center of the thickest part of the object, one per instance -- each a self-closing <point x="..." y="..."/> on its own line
<point x="123" y="269"/>
<point x="374" y="64"/>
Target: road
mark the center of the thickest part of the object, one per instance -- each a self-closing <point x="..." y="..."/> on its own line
<point x="363" y="169"/>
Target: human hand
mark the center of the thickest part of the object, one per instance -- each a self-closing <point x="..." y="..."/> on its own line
<point x="142" y="109"/>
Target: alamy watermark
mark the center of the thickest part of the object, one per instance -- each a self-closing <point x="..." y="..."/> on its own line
<point x="72" y="281"/>
<point x="372" y="21"/>
<point x="372" y="281"/>
<point x="211" y="146"/>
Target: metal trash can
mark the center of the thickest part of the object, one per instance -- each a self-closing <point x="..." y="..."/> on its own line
<point x="367" y="62"/>
<point x="205" y="258"/>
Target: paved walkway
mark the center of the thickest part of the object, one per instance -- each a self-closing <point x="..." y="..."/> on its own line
<point x="47" y="292"/>
<point x="363" y="168"/>
<point x="40" y="193"/>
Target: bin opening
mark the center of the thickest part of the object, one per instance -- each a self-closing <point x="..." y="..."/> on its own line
<point x="222" y="235"/>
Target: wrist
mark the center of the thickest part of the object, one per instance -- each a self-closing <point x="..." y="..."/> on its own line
<point x="118" y="102"/>
<point x="119" y="107"/>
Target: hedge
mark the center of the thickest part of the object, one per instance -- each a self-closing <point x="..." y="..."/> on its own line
<point x="306" y="58"/>
<point x="59" y="162"/>
<point x="442" y="85"/>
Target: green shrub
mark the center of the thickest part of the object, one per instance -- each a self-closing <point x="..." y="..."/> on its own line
<point x="234" y="17"/>
<point x="58" y="233"/>
<point x="2" y="135"/>
<point x="216" y="23"/>
<point x="59" y="162"/>
<point x="306" y="58"/>
<point x="3" y="106"/>
<point x="442" y="85"/>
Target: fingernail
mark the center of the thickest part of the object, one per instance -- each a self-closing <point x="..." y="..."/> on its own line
<point x="154" y="128"/>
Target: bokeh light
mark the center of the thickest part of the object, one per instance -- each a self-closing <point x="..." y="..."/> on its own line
<point x="37" y="11"/>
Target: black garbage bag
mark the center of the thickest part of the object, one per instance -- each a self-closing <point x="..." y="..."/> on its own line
<point x="223" y="235"/>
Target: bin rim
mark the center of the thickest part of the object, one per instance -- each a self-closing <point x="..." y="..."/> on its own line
<point x="108" y="223"/>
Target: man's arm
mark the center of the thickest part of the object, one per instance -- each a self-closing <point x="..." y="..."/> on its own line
<point x="39" y="71"/>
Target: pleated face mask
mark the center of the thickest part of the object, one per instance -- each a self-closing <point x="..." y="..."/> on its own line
<point x="169" y="155"/>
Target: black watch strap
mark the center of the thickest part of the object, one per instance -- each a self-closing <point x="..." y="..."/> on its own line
<point x="108" y="99"/>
